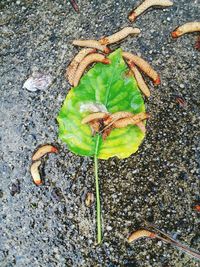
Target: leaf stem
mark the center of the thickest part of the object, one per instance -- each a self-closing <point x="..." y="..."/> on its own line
<point x="98" y="205"/>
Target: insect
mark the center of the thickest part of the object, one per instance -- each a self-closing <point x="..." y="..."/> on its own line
<point x="131" y="121"/>
<point x="143" y="65"/>
<point x="140" y="81"/>
<point x="43" y="150"/>
<point x="86" y="62"/>
<point x="92" y="44"/>
<point x="186" y="28"/>
<point x="35" y="172"/>
<point x="116" y="116"/>
<point x="94" y="116"/>
<point x="139" y="234"/>
<point x="71" y="69"/>
<point x="147" y="4"/>
<point x="118" y="36"/>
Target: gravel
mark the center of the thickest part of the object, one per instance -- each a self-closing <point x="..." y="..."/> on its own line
<point x="50" y="225"/>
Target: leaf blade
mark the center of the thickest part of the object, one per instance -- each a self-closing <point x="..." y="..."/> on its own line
<point x="109" y="85"/>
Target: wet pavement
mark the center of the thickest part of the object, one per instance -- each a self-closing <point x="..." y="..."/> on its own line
<point x="50" y="225"/>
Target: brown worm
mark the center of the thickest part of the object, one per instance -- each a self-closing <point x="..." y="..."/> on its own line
<point x="43" y="150"/>
<point x="95" y="126"/>
<point x="117" y="115"/>
<point x="92" y="44"/>
<point x="118" y="36"/>
<point x="86" y="62"/>
<point x="35" y="172"/>
<point x="147" y="4"/>
<point x="94" y="116"/>
<point x="186" y="28"/>
<point x="131" y="121"/>
<point x="140" y="81"/>
<point x="139" y="234"/>
<point x="71" y="69"/>
<point x="143" y="65"/>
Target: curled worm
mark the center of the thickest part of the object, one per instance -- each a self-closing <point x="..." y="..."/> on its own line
<point x="71" y="69"/>
<point x="86" y="62"/>
<point x="140" y="233"/>
<point x="94" y="116"/>
<point x="140" y="81"/>
<point x="92" y="44"/>
<point x="35" y="172"/>
<point x="143" y="65"/>
<point x="118" y="36"/>
<point x="131" y="121"/>
<point x="186" y="28"/>
<point x="147" y="4"/>
<point x="43" y="150"/>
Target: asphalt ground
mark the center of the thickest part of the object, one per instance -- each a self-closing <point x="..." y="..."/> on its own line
<point x="50" y="225"/>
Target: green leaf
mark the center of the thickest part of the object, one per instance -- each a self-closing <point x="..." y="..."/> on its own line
<point x="111" y="86"/>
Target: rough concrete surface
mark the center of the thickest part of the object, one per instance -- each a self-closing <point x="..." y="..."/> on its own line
<point x="50" y="225"/>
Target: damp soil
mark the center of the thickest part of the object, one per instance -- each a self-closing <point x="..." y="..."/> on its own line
<point x="50" y="225"/>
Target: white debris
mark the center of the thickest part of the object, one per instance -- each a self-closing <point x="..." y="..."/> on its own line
<point x="92" y="107"/>
<point x="38" y="81"/>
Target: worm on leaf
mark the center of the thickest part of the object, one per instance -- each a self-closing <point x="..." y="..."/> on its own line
<point x="71" y="69"/>
<point x="43" y="150"/>
<point x="139" y="234"/>
<point x="35" y="172"/>
<point x="93" y="44"/>
<point x="186" y="28"/>
<point x="118" y="36"/>
<point x="131" y="121"/>
<point x="95" y="126"/>
<point x="147" y="4"/>
<point x="140" y="81"/>
<point x="143" y="65"/>
<point x="86" y="62"/>
<point x="94" y="116"/>
<point x="116" y="116"/>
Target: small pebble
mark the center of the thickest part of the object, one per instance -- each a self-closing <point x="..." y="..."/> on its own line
<point x="15" y="188"/>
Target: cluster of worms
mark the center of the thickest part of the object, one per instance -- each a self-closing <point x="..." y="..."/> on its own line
<point x="157" y="233"/>
<point x="179" y="31"/>
<point x="89" y="55"/>
<point x="37" y="161"/>
<point x="104" y="122"/>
